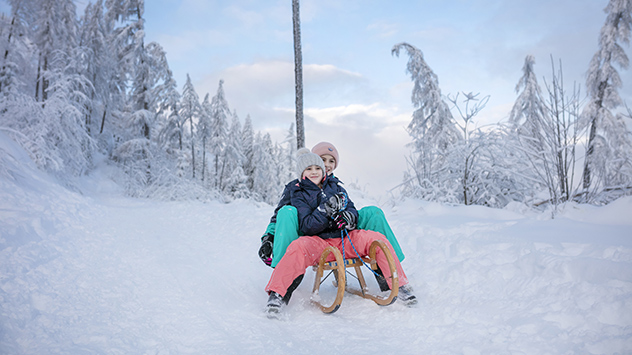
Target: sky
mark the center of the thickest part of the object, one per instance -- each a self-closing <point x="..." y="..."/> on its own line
<point x="356" y="93"/>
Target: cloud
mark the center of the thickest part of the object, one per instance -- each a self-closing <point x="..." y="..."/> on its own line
<point x="372" y="117"/>
<point x="246" y="18"/>
<point x="370" y="133"/>
<point x="372" y="158"/>
<point x="265" y="89"/>
<point x="383" y="29"/>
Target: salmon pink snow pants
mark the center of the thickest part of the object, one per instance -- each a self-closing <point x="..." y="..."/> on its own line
<point x="305" y="252"/>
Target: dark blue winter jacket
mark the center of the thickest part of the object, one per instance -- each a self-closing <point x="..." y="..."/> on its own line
<point x="310" y="200"/>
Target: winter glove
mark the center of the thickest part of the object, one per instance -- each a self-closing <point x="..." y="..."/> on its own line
<point x="336" y="203"/>
<point x="265" y="251"/>
<point x="345" y="219"/>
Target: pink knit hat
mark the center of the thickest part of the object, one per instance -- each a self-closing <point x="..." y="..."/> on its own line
<point x="323" y="148"/>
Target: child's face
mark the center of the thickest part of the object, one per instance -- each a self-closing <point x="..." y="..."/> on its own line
<point x="314" y="173"/>
<point x="330" y="162"/>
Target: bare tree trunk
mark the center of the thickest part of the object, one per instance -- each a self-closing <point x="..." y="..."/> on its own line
<point x="6" y="52"/>
<point x="45" y="81"/>
<point x="38" y="79"/>
<point x="298" y="75"/>
<point x="105" y="109"/>
<point x="591" y="138"/>
<point x="192" y="149"/>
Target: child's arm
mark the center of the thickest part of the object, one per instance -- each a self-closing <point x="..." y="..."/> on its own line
<point x="311" y="221"/>
<point x="350" y="206"/>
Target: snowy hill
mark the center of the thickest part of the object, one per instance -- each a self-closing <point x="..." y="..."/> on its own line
<point x="94" y="272"/>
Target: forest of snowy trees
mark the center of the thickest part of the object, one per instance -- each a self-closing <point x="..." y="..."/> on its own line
<point x="76" y="87"/>
<point x="533" y="157"/>
<point x="73" y="89"/>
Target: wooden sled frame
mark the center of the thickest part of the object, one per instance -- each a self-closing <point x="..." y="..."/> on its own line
<point x="338" y="268"/>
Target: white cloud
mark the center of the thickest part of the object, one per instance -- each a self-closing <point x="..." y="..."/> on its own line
<point x="383" y="29"/>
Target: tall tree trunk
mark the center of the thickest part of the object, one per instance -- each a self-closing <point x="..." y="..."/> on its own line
<point x="591" y="137"/>
<point x="105" y="110"/>
<point x="192" y="149"/>
<point x="298" y="75"/>
<point x="45" y="81"/>
<point x="38" y="78"/>
<point x="6" y="52"/>
<point x="203" y="157"/>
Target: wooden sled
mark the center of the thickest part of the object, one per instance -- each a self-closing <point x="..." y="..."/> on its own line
<point x="338" y="269"/>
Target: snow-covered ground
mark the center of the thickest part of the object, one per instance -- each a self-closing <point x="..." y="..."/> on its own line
<point x="89" y="271"/>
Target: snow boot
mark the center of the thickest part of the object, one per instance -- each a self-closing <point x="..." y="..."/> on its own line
<point x="273" y="308"/>
<point x="406" y="295"/>
<point x="381" y="281"/>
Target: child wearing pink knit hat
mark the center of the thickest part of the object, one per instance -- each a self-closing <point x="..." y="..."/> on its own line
<point x="327" y="151"/>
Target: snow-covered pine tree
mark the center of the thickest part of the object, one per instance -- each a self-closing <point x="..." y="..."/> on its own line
<point x="190" y="111"/>
<point x="65" y="112"/>
<point x="171" y="135"/>
<point x="16" y="48"/>
<point x="102" y="69"/>
<point x="609" y="150"/>
<point x="265" y="171"/>
<point x="432" y="129"/>
<point x="204" y="133"/>
<point x="233" y="179"/>
<point x="93" y="37"/>
<point x="55" y="29"/>
<point x="528" y="124"/>
<point x="288" y="156"/>
<point x="220" y="112"/>
<point x="529" y="112"/>
<point x="168" y="101"/>
<point x="247" y="143"/>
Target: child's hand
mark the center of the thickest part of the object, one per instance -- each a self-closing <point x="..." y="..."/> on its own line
<point x="336" y="203"/>
<point x="345" y="219"/>
<point x="265" y="251"/>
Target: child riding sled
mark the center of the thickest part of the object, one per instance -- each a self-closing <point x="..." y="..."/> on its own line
<point x="325" y="215"/>
<point x="283" y="226"/>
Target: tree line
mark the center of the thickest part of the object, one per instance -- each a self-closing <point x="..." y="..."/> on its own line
<point x="72" y="89"/>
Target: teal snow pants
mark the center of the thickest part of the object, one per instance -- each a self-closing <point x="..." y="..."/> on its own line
<point x="285" y="230"/>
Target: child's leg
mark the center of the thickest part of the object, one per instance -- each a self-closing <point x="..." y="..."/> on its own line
<point x="362" y="240"/>
<point x="301" y="254"/>
<point x="286" y="232"/>
<point x="372" y="218"/>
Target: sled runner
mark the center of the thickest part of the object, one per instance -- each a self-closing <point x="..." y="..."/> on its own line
<point x="338" y="269"/>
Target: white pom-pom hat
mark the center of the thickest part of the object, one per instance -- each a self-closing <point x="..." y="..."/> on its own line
<point x="305" y="158"/>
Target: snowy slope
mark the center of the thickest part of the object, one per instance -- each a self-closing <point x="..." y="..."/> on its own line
<point x="93" y="272"/>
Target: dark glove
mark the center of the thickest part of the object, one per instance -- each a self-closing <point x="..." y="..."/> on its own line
<point x="336" y="203"/>
<point x="345" y="219"/>
<point x="265" y="251"/>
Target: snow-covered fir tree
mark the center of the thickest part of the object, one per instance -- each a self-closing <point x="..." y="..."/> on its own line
<point x="247" y="143"/>
<point x="220" y="113"/>
<point x="55" y="29"/>
<point x="190" y="111"/>
<point x="204" y="133"/>
<point x="432" y="129"/>
<point x="233" y="179"/>
<point x="265" y="176"/>
<point x="608" y="162"/>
